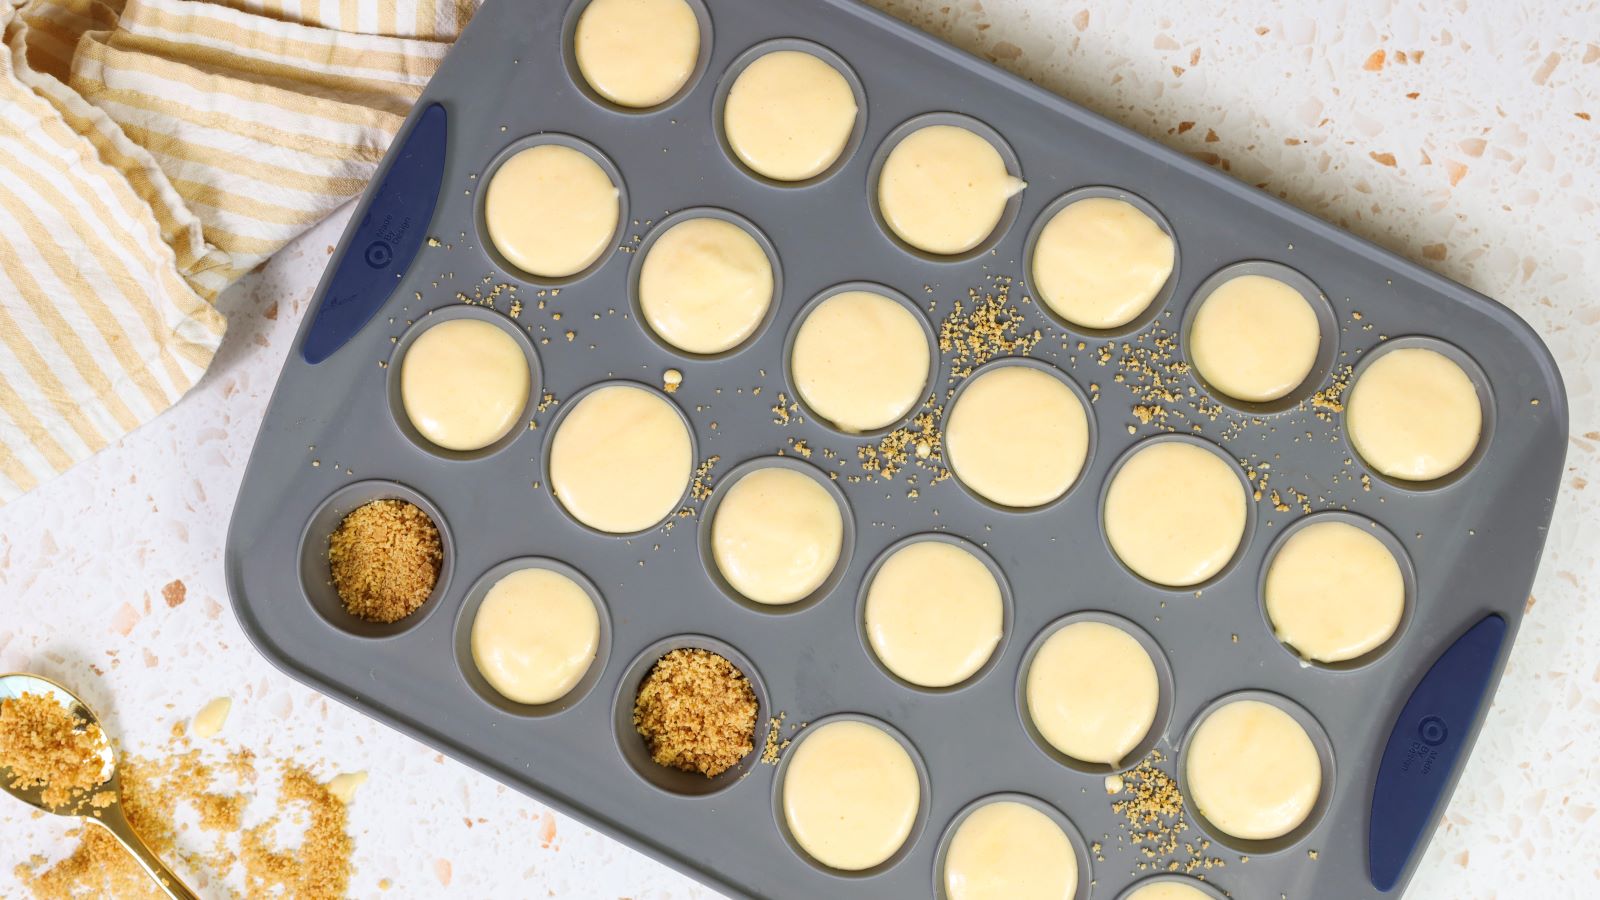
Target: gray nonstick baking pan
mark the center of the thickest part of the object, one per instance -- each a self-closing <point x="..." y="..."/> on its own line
<point x="1393" y="731"/>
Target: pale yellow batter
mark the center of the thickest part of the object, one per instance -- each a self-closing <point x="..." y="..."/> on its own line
<point x="777" y="535"/>
<point x="789" y="115"/>
<point x="637" y="53"/>
<point x="1175" y="513"/>
<point x="535" y="635"/>
<point x="1092" y="692"/>
<point x="705" y="285"/>
<point x="620" y="459"/>
<point x="1334" y="592"/>
<point x="850" y="794"/>
<point x="1253" y="771"/>
<point x="551" y="210"/>
<point x="463" y="383"/>
<point x="860" y="360"/>
<point x="934" y="613"/>
<point x="1017" y="436"/>
<point x="1414" y="415"/>
<point x="1099" y="262"/>
<point x="1254" y="338"/>
<point x="943" y="189"/>
<point x="1007" y="850"/>
<point x="1168" y="890"/>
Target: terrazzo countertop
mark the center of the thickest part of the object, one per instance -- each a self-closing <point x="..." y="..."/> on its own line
<point x="1461" y="134"/>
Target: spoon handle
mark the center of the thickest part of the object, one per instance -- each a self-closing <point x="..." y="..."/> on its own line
<point x="112" y="819"/>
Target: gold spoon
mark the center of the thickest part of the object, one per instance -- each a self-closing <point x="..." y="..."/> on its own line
<point x="109" y="816"/>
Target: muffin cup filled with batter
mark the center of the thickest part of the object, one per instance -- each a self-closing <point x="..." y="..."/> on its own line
<point x="861" y="357"/>
<point x="789" y="112"/>
<point x="1131" y="697"/>
<point x="1419" y="413"/>
<point x="1261" y="776"/>
<point x="619" y="458"/>
<point x="1171" y="887"/>
<point x="316" y="578"/>
<point x="636" y="56"/>
<point x="1260" y="336"/>
<point x="507" y="636"/>
<point x="1101" y="261"/>
<point x="468" y="386"/>
<point x="945" y="187"/>
<point x="855" y="802"/>
<point x="1337" y="590"/>
<point x="705" y="283"/>
<point x="771" y="544"/>
<point x="1176" y="512"/>
<point x="552" y="220"/>
<point x="1011" y="846"/>
<point x="636" y="751"/>
<point x="1018" y="435"/>
<point x="935" y="612"/>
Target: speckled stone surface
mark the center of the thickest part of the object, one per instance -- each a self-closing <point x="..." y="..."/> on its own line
<point x="1460" y="133"/>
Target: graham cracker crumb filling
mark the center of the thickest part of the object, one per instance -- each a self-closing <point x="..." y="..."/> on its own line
<point x="43" y="745"/>
<point x="384" y="558"/>
<point x="696" y="712"/>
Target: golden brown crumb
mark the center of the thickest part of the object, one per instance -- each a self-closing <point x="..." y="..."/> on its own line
<point x="385" y="558"/>
<point x="320" y="867"/>
<point x="1154" y="821"/>
<point x="215" y="786"/>
<point x="775" y="744"/>
<point x="45" y="746"/>
<point x="696" y="712"/>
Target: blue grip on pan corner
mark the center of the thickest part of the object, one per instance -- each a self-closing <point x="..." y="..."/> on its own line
<point x="381" y="248"/>
<point x="1425" y="746"/>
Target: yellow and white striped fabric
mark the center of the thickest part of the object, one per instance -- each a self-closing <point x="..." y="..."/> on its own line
<point x="151" y="152"/>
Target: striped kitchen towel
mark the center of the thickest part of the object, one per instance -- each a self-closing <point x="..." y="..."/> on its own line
<point x="151" y="152"/>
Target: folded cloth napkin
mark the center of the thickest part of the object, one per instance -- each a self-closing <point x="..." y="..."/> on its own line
<point x="151" y="152"/>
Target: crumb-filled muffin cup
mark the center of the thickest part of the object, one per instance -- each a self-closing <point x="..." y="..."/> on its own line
<point x="382" y="573"/>
<point x="688" y="715"/>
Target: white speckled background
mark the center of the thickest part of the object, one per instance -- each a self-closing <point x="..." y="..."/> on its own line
<point x="1462" y="134"/>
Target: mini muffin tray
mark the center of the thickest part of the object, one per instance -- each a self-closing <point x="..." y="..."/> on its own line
<point x="1392" y="730"/>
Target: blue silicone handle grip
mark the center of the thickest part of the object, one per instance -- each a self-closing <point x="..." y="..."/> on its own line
<point x="1425" y="746"/>
<point x="392" y="229"/>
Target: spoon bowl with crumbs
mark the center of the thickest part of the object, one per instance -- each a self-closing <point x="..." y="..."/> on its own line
<point x="55" y="757"/>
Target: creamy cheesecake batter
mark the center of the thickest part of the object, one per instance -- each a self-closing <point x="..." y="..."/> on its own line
<point x="1007" y="850"/>
<point x="1254" y="338"/>
<point x="535" y="635"/>
<point x="850" y="794"/>
<point x="637" y="53"/>
<point x="860" y="360"/>
<point x="1092" y="692"/>
<point x="1168" y="890"/>
<point x="1252" y="770"/>
<point x="705" y="285"/>
<point x="1099" y="262"/>
<point x="464" y="383"/>
<point x="1334" y="592"/>
<point x="551" y="210"/>
<point x="934" y="613"/>
<point x="620" y="460"/>
<point x="943" y="189"/>
<point x="777" y="535"/>
<point x="1414" y="415"/>
<point x="1175" y="513"/>
<point x="1017" y="436"/>
<point x="789" y="115"/>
